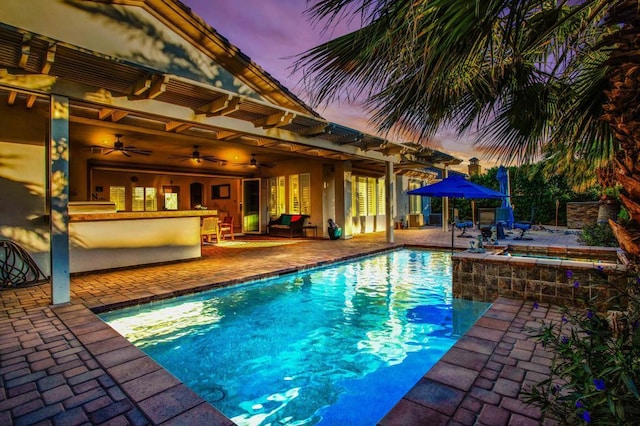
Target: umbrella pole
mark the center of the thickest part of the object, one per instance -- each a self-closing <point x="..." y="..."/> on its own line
<point x="453" y="207"/>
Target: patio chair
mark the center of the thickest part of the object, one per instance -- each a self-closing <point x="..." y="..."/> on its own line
<point x="226" y="227"/>
<point x="463" y="225"/>
<point x="524" y="226"/>
<point x="209" y="228"/>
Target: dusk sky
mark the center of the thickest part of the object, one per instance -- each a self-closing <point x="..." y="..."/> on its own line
<point x="272" y="32"/>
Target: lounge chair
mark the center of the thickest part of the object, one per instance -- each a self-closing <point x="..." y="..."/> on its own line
<point x="524" y="226"/>
<point x="463" y="225"/>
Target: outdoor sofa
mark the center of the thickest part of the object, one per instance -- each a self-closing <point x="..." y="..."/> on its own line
<point x="287" y="225"/>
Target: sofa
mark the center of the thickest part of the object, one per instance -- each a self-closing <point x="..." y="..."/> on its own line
<point x="287" y="225"/>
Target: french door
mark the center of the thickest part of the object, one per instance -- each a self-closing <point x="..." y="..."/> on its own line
<point x="251" y="202"/>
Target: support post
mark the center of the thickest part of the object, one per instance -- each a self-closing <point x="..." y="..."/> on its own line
<point x="58" y="190"/>
<point x="390" y="196"/>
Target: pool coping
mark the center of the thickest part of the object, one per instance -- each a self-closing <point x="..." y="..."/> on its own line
<point x="164" y="399"/>
<point x="131" y="369"/>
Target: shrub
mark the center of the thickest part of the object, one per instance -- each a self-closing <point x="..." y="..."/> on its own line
<point x="598" y="234"/>
<point x="595" y="372"/>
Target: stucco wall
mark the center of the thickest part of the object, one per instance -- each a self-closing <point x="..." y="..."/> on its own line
<point x="22" y="180"/>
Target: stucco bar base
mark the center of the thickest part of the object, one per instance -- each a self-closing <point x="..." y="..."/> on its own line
<point x="110" y="241"/>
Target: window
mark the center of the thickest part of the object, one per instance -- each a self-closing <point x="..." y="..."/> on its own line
<point x="117" y="195"/>
<point x="294" y="194"/>
<point x="305" y="193"/>
<point x="361" y="196"/>
<point x="415" y="201"/>
<point x="144" y="199"/>
<point x="371" y="197"/>
<point x="382" y="208"/>
<point x="300" y="194"/>
<point x="276" y="196"/>
<point x="367" y="200"/>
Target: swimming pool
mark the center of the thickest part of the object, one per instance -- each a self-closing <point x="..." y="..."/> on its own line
<point x="334" y="345"/>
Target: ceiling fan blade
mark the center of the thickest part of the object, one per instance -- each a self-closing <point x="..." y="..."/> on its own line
<point x="108" y="152"/>
<point x="212" y="159"/>
<point x="125" y="153"/>
<point x="139" y="152"/>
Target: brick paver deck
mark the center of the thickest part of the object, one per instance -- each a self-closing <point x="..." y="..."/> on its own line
<point x="62" y="365"/>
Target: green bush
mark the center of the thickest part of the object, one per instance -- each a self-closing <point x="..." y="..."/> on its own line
<point x="595" y="373"/>
<point x="599" y="234"/>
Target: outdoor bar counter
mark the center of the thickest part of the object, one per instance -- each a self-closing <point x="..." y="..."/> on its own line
<point x="99" y="239"/>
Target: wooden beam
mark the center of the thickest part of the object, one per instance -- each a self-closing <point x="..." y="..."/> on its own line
<point x="349" y="139"/>
<point x="12" y="97"/>
<point x="49" y="60"/>
<point x="118" y="115"/>
<point x="315" y="130"/>
<point x="225" y="135"/>
<point x="26" y="50"/>
<point x="279" y="119"/>
<point x="105" y="113"/>
<point x="142" y="85"/>
<point x="158" y="87"/>
<point x="31" y="100"/>
<point x="177" y="126"/>
<point x="232" y="105"/>
<point x="216" y="105"/>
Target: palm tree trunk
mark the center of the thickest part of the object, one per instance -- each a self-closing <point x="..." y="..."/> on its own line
<point x="622" y="113"/>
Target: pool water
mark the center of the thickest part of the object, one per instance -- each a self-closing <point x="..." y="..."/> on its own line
<point x="332" y="345"/>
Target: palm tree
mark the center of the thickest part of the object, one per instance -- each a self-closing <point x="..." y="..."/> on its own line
<point x="535" y="79"/>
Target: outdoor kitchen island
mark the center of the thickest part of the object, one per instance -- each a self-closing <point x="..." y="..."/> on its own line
<point x="101" y="238"/>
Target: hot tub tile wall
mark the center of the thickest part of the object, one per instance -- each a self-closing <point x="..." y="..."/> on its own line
<point x="485" y="276"/>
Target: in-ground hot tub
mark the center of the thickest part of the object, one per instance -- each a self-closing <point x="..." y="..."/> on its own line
<point x="568" y="276"/>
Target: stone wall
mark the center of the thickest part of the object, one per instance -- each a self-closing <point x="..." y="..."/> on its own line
<point x="580" y="214"/>
<point x="485" y="277"/>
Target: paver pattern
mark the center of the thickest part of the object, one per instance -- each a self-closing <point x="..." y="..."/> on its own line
<point x="62" y="366"/>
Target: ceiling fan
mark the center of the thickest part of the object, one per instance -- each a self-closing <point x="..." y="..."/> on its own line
<point x="254" y="164"/>
<point x="119" y="146"/>
<point x="197" y="157"/>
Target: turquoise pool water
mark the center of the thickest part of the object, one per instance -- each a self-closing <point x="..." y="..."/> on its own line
<point x="337" y="345"/>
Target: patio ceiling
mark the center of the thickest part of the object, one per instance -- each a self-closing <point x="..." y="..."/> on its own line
<point x="23" y="53"/>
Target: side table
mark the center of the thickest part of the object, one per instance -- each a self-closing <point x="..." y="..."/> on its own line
<point x="308" y="227"/>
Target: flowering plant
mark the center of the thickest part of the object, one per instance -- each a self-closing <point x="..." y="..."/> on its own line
<point x="595" y="372"/>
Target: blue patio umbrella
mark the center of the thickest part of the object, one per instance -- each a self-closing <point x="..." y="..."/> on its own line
<point x="503" y="179"/>
<point x="456" y="186"/>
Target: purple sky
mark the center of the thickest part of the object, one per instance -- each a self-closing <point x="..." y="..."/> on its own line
<point x="271" y="32"/>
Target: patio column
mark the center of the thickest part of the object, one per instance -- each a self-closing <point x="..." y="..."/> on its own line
<point x="58" y="190"/>
<point x="445" y="205"/>
<point x="390" y="197"/>
<point x="343" y="213"/>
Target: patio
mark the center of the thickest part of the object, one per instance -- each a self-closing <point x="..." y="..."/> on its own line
<point x="64" y="366"/>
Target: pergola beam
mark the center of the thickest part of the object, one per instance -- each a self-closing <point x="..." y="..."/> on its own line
<point x="49" y="60"/>
<point x="158" y="87"/>
<point x="25" y="50"/>
<point x="177" y="126"/>
<point x="279" y="119"/>
<point x="141" y="86"/>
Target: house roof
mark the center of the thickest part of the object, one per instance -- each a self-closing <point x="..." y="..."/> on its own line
<point x="279" y="121"/>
